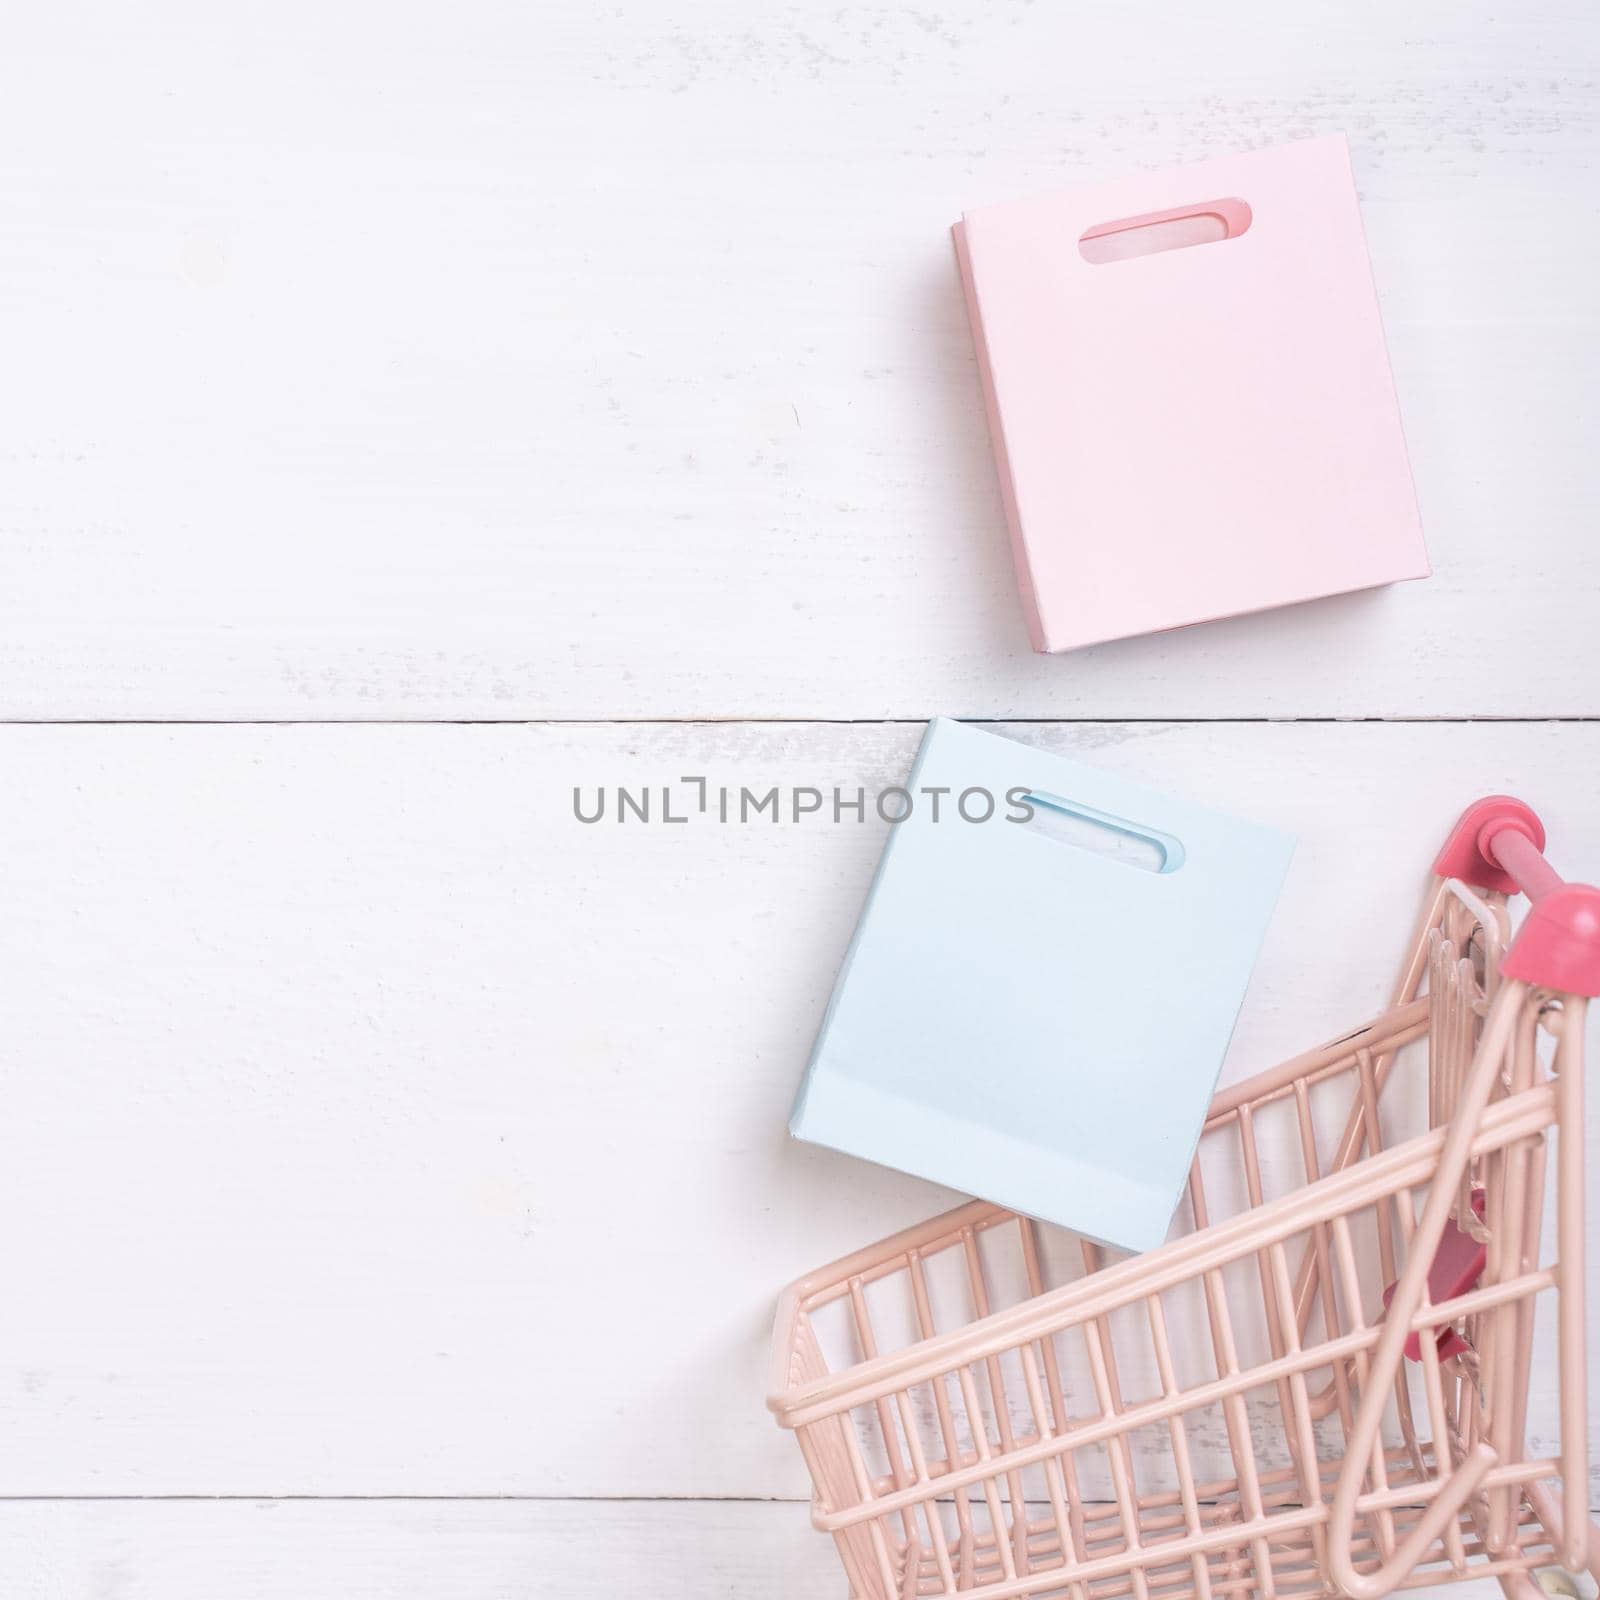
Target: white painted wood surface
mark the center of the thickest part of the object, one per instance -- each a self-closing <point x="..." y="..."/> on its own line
<point x="492" y="360"/>
<point x="373" y="1128"/>
<point x="411" y="1550"/>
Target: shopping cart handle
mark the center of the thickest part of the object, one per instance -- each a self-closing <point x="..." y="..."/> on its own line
<point x="1498" y="844"/>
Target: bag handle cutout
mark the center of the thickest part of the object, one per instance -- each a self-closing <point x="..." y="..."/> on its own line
<point x="1081" y="827"/>
<point x="1156" y="231"/>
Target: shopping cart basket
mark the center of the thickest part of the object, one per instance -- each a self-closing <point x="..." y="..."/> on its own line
<point x="1320" y="1384"/>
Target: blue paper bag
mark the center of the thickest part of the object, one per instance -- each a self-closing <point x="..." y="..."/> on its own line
<point x="1036" y="1003"/>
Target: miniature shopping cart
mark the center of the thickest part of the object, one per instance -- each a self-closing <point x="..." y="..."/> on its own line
<point x="1320" y="1384"/>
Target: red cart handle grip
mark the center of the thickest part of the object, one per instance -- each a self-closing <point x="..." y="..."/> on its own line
<point x="1499" y="845"/>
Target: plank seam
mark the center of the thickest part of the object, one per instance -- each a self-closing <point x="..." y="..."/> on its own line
<point x="774" y="721"/>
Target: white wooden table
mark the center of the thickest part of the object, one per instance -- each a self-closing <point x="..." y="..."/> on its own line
<point x="413" y="412"/>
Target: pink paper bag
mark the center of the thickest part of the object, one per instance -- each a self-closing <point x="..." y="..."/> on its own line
<point x="1189" y="394"/>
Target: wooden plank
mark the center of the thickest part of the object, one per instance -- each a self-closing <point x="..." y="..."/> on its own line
<point x="411" y="1550"/>
<point x="373" y="1126"/>
<point x="578" y="361"/>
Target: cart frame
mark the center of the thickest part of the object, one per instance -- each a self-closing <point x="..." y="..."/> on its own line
<point x="1375" y="1442"/>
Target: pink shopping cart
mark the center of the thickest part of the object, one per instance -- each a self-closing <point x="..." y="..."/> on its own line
<point x="1365" y="1288"/>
